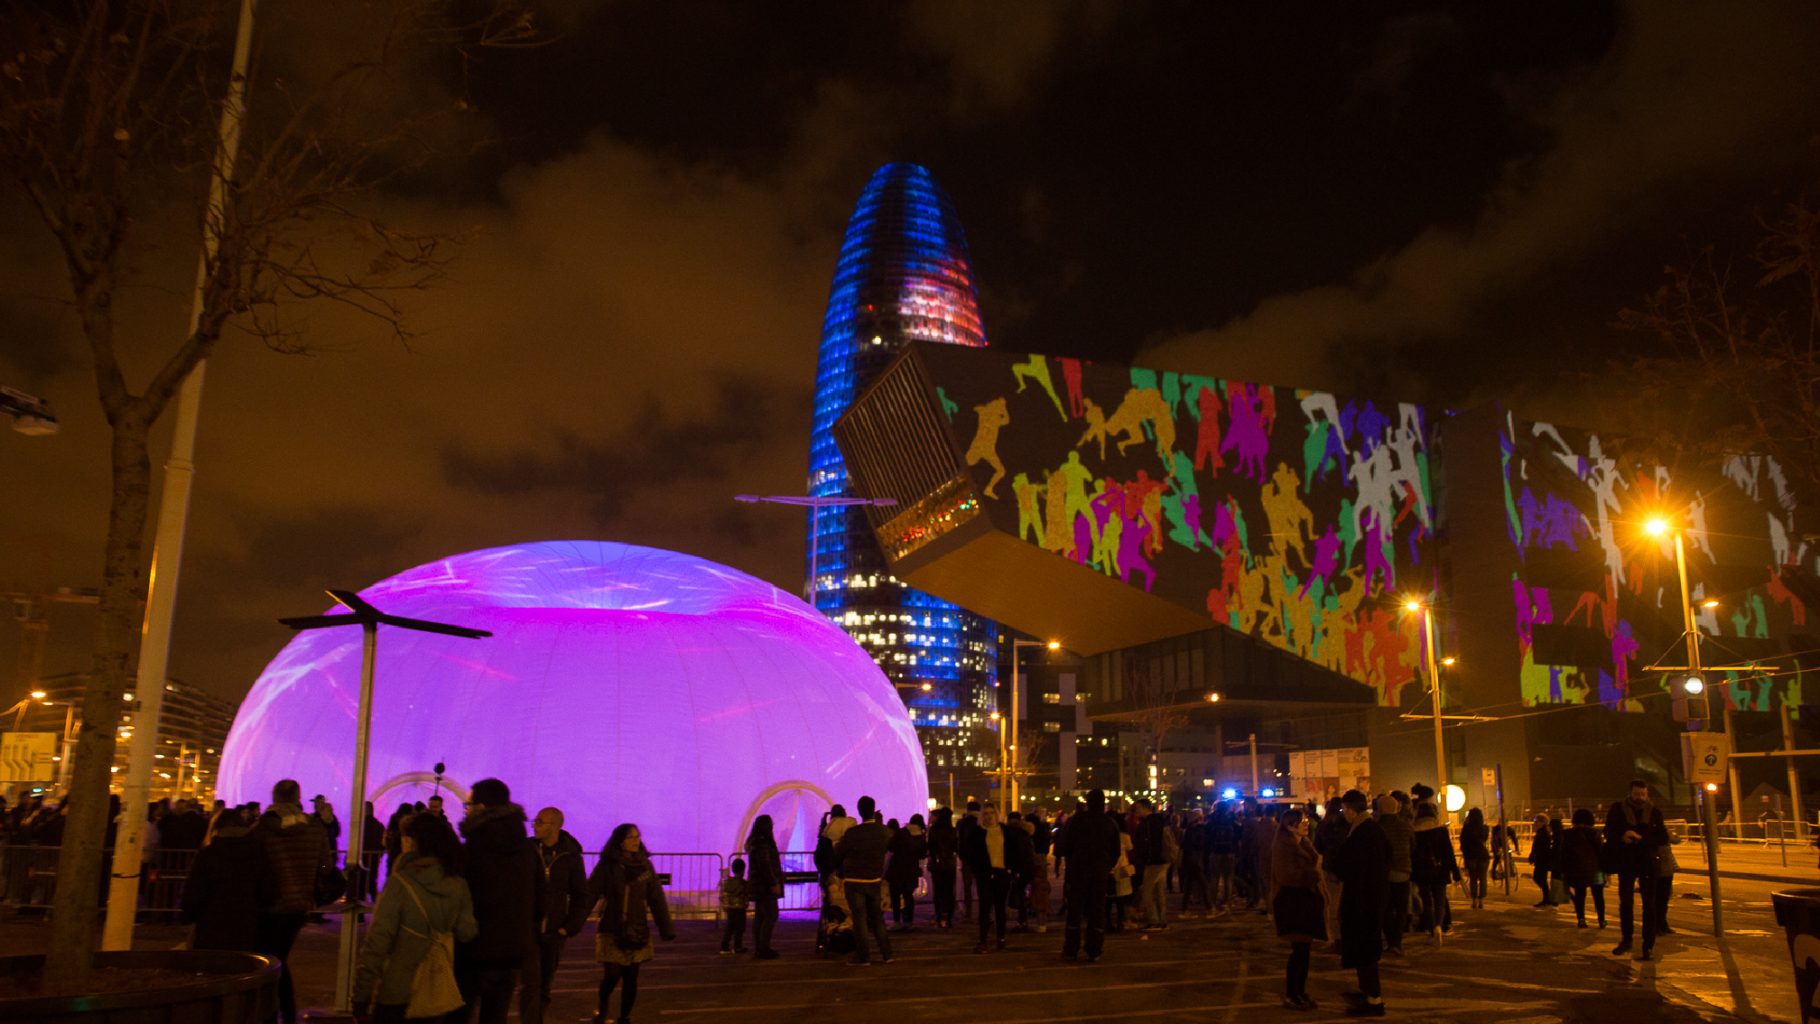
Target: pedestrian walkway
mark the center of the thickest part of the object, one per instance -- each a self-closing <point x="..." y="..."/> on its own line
<point x="1791" y="863"/>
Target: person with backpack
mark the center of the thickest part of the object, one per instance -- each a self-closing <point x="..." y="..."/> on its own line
<point x="406" y="963"/>
<point x="1582" y="857"/>
<point x="908" y="847"/>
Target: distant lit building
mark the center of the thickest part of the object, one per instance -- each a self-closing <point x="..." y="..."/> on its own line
<point x="903" y="275"/>
<point x="192" y="728"/>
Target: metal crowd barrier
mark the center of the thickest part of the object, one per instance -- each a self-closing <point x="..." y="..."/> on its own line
<point x="28" y="880"/>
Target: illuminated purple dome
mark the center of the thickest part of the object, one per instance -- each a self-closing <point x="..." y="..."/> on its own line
<point x="621" y="683"/>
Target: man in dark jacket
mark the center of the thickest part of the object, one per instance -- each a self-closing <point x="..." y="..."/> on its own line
<point x="1149" y="857"/>
<point x="562" y="913"/>
<point x="296" y="849"/>
<point x="1362" y="862"/>
<point x="968" y="822"/>
<point x="506" y="878"/>
<point x="861" y="855"/>
<point x="1634" y="837"/>
<point x="1089" y="846"/>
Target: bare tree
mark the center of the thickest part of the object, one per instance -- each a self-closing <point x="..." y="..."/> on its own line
<point x="1736" y="369"/>
<point x="108" y="115"/>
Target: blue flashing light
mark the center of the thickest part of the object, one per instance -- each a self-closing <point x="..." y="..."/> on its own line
<point x="1229" y="793"/>
<point x="1267" y="792"/>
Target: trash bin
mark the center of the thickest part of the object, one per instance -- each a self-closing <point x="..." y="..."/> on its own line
<point x="1798" y="912"/>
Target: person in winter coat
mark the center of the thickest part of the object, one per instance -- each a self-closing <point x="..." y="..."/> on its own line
<point x="1297" y="902"/>
<point x="424" y="896"/>
<point x="296" y="849"/>
<point x="1088" y="846"/>
<point x="1000" y="857"/>
<point x="1634" y="837"/>
<point x="1542" y="858"/>
<point x="907" y="848"/>
<point x="943" y="849"/>
<point x="1399" y="829"/>
<point x="1581" y="852"/>
<point x="229" y="880"/>
<point x="1329" y="833"/>
<point x="1122" y="874"/>
<point x="1194" y="864"/>
<point x="630" y="898"/>
<point x="1362" y="863"/>
<point x="506" y="879"/>
<point x="1475" y="855"/>
<point x="1432" y="869"/>
<point x="1222" y="838"/>
<point x="1152" y="863"/>
<point x="765" y="882"/>
<point x="860" y="852"/>
<point x="562" y="913"/>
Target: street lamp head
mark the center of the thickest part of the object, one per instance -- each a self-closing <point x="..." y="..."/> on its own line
<point x="1656" y="526"/>
<point x="1055" y="645"/>
<point x="1694" y="685"/>
<point x="1213" y="698"/>
<point x="1709" y="605"/>
<point x="1448" y="661"/>
<point x="928" y="686"/>
<point x="994" y="716"/>
<point x="1712" y="787"/>
<point x="39" y="695"/>
<point x="1412" y="605"/>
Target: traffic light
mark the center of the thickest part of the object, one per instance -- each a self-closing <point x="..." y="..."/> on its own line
<point x="1689" y="698"/>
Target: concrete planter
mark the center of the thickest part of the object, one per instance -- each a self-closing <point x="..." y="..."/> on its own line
<point x="213" y="986"/>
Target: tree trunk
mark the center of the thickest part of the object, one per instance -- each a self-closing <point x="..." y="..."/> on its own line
<point x="80" y="862"/>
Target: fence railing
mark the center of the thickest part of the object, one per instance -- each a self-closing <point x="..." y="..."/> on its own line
<point x="28" y="880"/>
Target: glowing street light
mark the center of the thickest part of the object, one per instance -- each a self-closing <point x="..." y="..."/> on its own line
<point x="1434" y="683"/>
<point x="1008" y="782"/>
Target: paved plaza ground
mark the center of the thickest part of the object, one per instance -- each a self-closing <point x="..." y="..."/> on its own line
<point x="1510" y="962"/>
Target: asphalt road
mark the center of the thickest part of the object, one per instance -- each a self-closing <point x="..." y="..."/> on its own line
<point x="1510" y="962"/>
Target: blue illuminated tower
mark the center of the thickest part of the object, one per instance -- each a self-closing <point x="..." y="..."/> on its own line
<point x="903" y="275"/>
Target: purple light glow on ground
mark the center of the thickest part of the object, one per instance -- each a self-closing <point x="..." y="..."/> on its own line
<point x="622" y="683"/>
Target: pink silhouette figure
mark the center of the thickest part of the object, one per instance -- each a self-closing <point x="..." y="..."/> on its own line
<point x="1326" y="560"/>
<point x="1131" y="552"/>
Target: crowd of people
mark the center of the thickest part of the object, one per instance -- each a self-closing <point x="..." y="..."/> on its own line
<point x="475" y="914"/>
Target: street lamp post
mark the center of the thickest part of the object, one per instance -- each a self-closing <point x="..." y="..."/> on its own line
<point x="1017" y="708"/>
<point x="1434" y="685"/>
<point x="815" y="506"/>
<point x="1691" y="634"/>
<point x="369" y="619"/>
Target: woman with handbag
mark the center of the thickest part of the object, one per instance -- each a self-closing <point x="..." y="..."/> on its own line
<point x="627" y="888"/>
<point x="1298" y="902"/>
<point x="406" y="967"/>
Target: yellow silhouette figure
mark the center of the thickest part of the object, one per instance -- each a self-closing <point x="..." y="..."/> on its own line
<point x="1096" y="426"/>
<point x="1290" y="520"/>
<point x="1141" y="406"/>
<point x="993" y="415"/>
<point x="1057" y="533"/>
<point x="1029" y="507"/>
<point x="1037" y="368"/>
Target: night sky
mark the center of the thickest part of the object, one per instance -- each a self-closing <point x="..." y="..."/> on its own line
<point x="1437" y="203"/>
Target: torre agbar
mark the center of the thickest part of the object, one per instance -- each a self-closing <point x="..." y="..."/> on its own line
<point x="903" y="275"/>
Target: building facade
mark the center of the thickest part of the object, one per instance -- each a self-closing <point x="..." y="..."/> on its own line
<point x="903" y="275"/>
<point x="1260" y="560"/>
<point x="192" y="728"/>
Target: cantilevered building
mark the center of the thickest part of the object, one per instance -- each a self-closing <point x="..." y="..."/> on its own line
<point x="903" y="276"/>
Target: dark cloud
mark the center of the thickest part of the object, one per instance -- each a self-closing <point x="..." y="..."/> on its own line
<point x="653" y="203"/>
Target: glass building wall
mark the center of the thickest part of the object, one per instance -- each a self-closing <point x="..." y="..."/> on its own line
<point x="903" y="275"/>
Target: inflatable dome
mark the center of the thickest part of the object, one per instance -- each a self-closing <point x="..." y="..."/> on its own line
<point x="621" y="683"/>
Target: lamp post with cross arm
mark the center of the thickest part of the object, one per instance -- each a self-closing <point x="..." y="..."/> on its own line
<point x="369" y="619"/>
